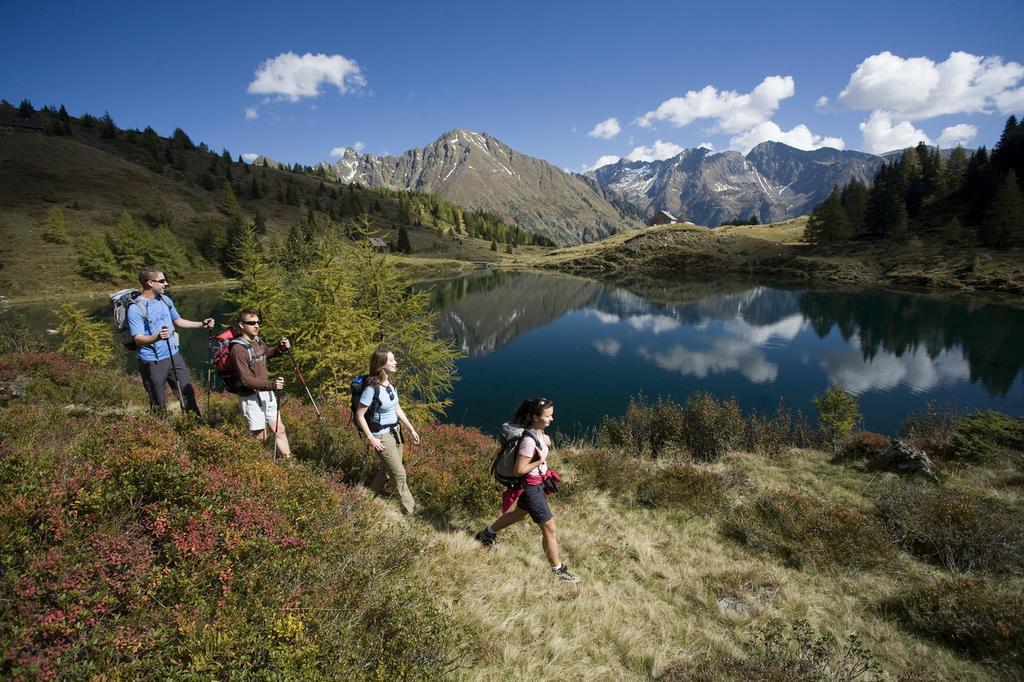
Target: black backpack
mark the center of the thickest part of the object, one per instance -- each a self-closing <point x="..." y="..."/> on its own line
<point x="357" y="386"/>
<point x="120" y="302"/>
<point x="503" y="468"/>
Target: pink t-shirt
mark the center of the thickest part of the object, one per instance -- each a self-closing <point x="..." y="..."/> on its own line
<point x="528" y="448"/>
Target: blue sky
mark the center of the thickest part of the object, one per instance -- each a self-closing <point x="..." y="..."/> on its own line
<point x="571" y="83"/>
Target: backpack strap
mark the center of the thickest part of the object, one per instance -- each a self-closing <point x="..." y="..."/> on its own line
<point x="248" y="348"/>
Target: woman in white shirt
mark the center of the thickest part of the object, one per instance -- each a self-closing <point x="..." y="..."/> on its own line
<point x="534" y="415"/>
<point x="377" y="416"/>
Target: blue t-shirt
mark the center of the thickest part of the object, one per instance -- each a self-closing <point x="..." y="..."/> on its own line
<point x="387" y="414"/>
<point x="160" y="312"/>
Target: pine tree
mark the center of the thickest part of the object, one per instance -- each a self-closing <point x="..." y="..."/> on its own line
<point x="1004" y="225"/>
<point x="259" y="222"/>
<point x="181" y="140"/>
<point x="238" y="225"/>
<point x="828" y="222"/>
<point x="855" y="205"/>
<point x="129" y="245"/>
<point x="63" y="114"/>
<point x="108" y="130"/>
<point x="404" y="245"/>
<point x="85" y="339"/>
<point x="25" y="109"/>
<point x="261" y="283"/>
<point x="165" y="250"/>
<point x="956" y="168"/>
<point x="54" y="230"/>
<point x="96" y="261"/>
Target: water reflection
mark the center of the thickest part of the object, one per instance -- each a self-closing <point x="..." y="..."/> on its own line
<point x="756" y="342"/>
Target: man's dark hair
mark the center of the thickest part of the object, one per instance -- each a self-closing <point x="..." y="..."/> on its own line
<point x="147" y="273"/>
<point x="247" y="311"/>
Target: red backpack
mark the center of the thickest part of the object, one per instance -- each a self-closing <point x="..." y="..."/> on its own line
<point x="220" y="351"/>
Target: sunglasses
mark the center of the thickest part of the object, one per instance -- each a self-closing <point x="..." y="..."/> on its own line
<point x="159" y="281"/>
<point x="251" y="322"/>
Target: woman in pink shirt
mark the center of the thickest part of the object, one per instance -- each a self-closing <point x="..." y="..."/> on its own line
<point x="534" y="415"/>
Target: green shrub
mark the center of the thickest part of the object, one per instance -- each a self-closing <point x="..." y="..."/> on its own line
<point x="800" y="529"/>
<point x="863" y="445"/>
<point x="59" y="379"/>
<point x="683" y="486"/>
<point x="766" y="435"/>
<point x="603" y="469"/>
<point x="982" y="618"/>
<point x="959" y="530"/>
<point x="645" y="429"/>
<point x="983" y="434"/>
<point x="450" y="471"/>
<point x="711" y="428"/>
<point x="932" y="430"/>
<point x="85" y="339"/>
<point x="783" y="652"/>
<point x="838" y="414"/>
<point x="138" y="548"/>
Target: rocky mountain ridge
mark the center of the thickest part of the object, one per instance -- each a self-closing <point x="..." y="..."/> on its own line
<point x="772" y="182"/>
<point x="481" y="172"/>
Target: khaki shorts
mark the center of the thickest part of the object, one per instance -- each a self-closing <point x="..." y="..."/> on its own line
<point x="259" y="409"/>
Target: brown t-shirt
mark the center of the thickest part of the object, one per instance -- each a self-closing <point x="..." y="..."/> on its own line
<point x="253" y="377"/>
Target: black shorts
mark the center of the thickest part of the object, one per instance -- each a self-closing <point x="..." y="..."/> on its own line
<point x="534" y="502"/>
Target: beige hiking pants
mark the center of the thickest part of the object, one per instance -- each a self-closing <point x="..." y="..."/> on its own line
<point x="392" y="469"/>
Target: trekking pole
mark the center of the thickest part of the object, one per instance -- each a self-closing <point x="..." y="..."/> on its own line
<point x="174" y="370"/>
<point x="296" y="367"/>
<point x="209" y="369"/>
<point x="277" y="421"/>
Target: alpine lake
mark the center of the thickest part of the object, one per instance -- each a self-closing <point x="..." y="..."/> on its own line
<point x="591" y="346"/>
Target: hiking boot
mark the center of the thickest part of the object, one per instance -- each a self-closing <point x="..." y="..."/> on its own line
<point x="487" y="538"/>
<point x="565" y="574"/>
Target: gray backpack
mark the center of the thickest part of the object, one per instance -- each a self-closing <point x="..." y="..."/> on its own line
<point x="504" y="466"/>
<point x="120" y="302"/>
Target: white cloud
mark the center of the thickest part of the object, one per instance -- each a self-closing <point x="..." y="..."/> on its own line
<point x="293" y="77"/>
<point x="606" y="130"/>
<point x="251" y="113"/>
<point x="918" y="87"/>
<point x="786" y="329"/>
<point x="959" y="134"/>
<point x="1010" y="101"/>
<point x="799" y="136"/>
<point x="609" y="347"/>
<point x="602" y="161"/>
<point x="250" y="157"/>
<point x="660" y="150"/>
<point x="886" y="371"/>
<point x="882" y="135"/>
<point x="657" y="324"/>
<point x="340" y="151"/>
<point x="706" y="145"/>
<point x="724" y="355"/>
<point x="822" y="102"/>
<point x="732" y="111"/>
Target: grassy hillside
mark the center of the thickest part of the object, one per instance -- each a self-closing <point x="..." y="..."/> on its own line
<point x="96" y="180"/>
<point x="778" y="250"/>
<point x="141" y="548"/>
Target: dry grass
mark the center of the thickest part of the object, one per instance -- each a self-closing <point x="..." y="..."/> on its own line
<point x="651" y="585"/>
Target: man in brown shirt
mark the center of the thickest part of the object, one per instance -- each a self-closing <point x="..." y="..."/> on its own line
<point x="256" y="396"/>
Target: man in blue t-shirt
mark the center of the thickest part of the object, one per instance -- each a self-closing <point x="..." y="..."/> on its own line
<point x="159" y="360"/>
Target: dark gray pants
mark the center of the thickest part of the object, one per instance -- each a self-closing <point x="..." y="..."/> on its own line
<point x="156" y="374"/>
